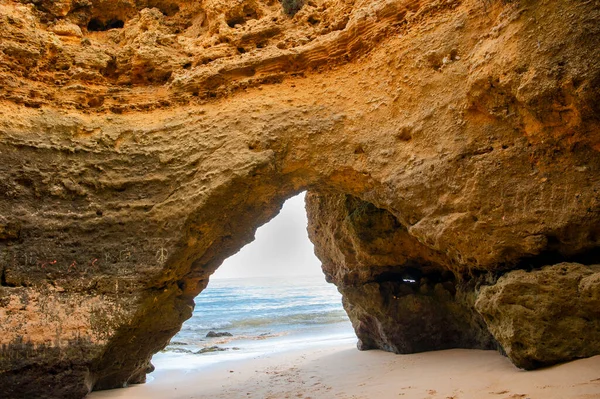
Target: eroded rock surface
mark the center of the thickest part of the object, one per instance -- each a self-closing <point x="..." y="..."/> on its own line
<point x="397" y="291"/>
<point x="142" y="142"/>
<point x="545" y="316"/>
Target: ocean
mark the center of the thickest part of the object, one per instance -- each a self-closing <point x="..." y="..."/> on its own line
<point x="259" y="316"/>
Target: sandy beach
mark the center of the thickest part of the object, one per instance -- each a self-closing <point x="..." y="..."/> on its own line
<point x="341" y="371"/>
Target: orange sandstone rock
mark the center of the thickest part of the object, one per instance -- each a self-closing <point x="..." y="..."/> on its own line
<point x="142" y="142"/>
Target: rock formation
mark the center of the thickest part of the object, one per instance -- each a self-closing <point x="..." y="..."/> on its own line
<point x="397" y="291"/>
<point x="532" y="313"/>
<point x="450" y="148"/>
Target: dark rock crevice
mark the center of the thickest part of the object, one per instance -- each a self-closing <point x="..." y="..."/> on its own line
<point x="3" y="282"/>
<point x="97" y="25"/>
<point x="550" y="256"/>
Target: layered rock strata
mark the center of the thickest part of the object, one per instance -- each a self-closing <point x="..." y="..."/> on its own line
<point x="451" y="149"/>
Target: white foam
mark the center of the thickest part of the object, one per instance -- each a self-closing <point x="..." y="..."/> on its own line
<point x="248" y="347"/>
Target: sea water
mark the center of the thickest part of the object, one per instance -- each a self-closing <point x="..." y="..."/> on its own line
<point x="263" y="315"/>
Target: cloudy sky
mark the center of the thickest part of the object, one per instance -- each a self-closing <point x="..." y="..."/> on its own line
<point x="281" y="248"/>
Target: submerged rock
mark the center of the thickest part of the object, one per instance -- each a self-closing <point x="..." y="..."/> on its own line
<point x="210" y="349"/>
<point x="213" y="334"/>
<point x="177" y="350"/>
<point x="177" y="343"/>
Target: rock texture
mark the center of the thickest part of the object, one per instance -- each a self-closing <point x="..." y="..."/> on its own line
<point x="545" y="316"/>
<point x="399" y="294"/>
<point x="142" y="142"/>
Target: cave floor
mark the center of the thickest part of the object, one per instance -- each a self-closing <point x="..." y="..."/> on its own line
<point x="340" y="371"/>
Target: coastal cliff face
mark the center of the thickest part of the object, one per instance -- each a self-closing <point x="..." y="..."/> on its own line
<point x="451" y="150"/>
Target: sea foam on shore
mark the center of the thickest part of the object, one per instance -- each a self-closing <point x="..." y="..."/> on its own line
<point x="263" y="315"/>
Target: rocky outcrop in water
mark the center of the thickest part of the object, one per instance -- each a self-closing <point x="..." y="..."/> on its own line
<point x="213" y="334"/>
<point x="450" y="148"/>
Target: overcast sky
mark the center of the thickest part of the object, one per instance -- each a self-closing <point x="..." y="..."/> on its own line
<point x="281" y="248"/>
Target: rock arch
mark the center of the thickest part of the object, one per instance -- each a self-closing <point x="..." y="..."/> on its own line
<point x="457" y="139"/>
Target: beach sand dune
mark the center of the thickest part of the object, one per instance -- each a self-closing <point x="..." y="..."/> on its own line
<point x="342" y="372"/>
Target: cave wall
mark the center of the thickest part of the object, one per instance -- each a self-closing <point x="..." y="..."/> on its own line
<point x="456" y="141"/>
<point x="398" y="293"/>
<point x="403" y="297"/>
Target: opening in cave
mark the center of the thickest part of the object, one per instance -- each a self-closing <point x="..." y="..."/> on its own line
<point x="269" y="297"/>
<point x="96" y="25"/>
